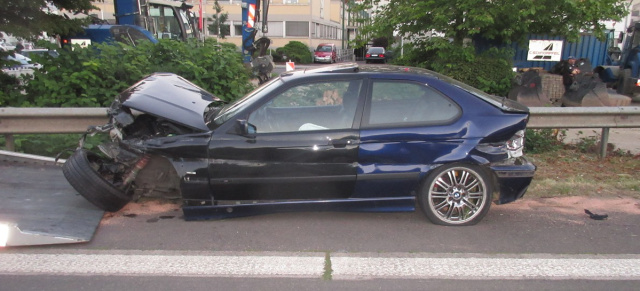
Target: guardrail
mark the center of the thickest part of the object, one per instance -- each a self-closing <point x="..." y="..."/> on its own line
<point x="76" y="120"/>
<point x="586" y="117"/>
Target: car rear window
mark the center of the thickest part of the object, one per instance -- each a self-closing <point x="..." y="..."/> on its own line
<point x="398" y="102"/>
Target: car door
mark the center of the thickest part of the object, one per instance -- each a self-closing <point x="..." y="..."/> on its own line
<point x="407" y="128"/>
<point x="302" y="144"/>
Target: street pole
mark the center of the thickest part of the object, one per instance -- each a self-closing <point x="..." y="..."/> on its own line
<point x="343" y="8"/>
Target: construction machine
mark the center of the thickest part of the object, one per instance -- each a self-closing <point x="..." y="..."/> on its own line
<point x="138" y="20"/>
<point x="536" y="88"/>
<point x="624" y="72"/>
<point x="254" y="50"/>
<point x="163" y="18"/>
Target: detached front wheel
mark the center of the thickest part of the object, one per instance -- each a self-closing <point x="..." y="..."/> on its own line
<point x="458" y="194"/>
<point x="87" y="173"/>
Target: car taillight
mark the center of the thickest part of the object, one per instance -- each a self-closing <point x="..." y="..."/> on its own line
<point x="368" y="55"/>
<point x="381" y="55"/>
<point x="515" y="145"/>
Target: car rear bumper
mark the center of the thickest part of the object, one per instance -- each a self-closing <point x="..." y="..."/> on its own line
<point x="513" y="178"/>
<point x="375" y="59"/>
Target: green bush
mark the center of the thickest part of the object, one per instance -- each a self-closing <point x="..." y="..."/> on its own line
<point x="543" y="140"/>
<point x="489" y="71"/>
<point x="296" y="52"/>
<point x="93" y="76"/>
<point x="50" y="145"/>
<point x="10" y="90"/>
<point x="277" y="55"/>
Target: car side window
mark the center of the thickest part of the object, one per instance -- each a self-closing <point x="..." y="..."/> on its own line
<point x="312" y="106"/>
<point x="397" y="102"/>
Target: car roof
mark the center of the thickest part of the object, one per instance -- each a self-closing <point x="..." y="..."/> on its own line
<point x="356" y="68"/>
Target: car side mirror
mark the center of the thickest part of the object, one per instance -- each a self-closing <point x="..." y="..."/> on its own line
<point x="244" y="128"/>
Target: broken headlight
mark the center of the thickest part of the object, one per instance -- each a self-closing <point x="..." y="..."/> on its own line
<point x="515" y="145"/>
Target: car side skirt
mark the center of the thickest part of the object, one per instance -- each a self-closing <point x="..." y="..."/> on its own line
<point x="213" y="212"/>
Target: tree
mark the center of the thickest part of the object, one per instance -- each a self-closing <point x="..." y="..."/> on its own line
<point x="218" y="20"/>
<point x="28" y="19"/>
<point x="504" y="21"/>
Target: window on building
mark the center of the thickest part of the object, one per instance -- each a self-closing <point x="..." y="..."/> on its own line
<point x="225" y="29"/>
<point x="297" y="28"/>
<point x="275" y="28"/>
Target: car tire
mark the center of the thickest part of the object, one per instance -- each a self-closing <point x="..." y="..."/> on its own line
<point x="80" y="171"/>
<point x="457" y="194"/>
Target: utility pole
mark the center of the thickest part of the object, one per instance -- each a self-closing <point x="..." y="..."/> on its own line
<point x="343" y="9"/>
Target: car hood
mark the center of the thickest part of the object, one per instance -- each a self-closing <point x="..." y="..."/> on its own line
<point x="171" y="97"/>
<point x="323" y="54"/>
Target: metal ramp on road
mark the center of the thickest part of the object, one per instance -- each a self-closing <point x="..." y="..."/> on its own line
<point x="38" y="206"/>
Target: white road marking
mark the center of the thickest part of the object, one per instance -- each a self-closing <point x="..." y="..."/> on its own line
<point x="484" y="268"/>
<point x="344" y="266"/>
<point x="162" y="265"/>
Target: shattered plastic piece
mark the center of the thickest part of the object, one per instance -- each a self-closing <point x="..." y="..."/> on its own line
<point x="596" y="216"/>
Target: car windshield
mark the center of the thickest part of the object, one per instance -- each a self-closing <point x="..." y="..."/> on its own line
<point x="230" y="110"/>
<point x="324" y="49"/>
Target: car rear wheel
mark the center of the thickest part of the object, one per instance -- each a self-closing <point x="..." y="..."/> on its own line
<point x="82" y="170"/>
<point x="456" y="194"/>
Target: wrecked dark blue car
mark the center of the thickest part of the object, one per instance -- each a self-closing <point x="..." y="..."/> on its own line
<point x="337" y="138"/>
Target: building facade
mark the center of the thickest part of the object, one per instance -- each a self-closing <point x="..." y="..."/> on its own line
<point x="309" y="21"/>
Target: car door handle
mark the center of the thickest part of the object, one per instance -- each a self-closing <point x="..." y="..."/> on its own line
<point x="340" y="143"/>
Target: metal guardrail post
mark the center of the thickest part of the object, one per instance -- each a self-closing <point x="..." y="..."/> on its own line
<point x="604" y="140"/>
<point x="9" y="142"/>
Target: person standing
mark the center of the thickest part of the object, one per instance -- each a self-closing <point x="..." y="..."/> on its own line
<point x="569" y="72"/>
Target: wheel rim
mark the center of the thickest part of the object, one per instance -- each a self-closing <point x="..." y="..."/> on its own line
<point x="457" y="195"/>
<point x="96" y="164"/>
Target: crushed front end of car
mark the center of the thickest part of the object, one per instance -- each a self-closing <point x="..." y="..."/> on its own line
<point x="153" y="126"/>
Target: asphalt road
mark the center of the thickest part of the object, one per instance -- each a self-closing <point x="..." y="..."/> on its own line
<point x="506" y="229"/>
<point x="511" y="249"/>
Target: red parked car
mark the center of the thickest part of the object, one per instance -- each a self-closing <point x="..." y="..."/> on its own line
<point x="325" y="53"/>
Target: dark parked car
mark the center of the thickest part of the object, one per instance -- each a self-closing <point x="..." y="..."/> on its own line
<point x="342" y="137"/>
<point x="375" y="54"/>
